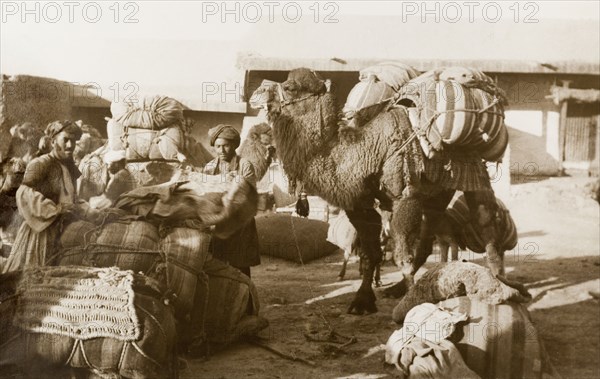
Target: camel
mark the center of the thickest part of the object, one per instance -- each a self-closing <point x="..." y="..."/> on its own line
<point x="351" y="167"/>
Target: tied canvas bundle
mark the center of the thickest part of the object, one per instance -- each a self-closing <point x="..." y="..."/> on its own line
<point x="150" y="112"/>
<point x="78" y="302"/>
<point x="377" y="86"/>
<point x="459" y="107"/>
<point x="142" y="143"/>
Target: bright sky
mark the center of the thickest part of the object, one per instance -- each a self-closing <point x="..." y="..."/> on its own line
<point x="184" y="43"/>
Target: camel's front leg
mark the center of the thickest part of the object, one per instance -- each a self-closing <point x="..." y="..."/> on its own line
<point x="444" y="246"/>
<point x="495" y="259"/>
<point x="433" y="212"/>
<point x="342" y="273"/>
<point x="367" y="223"/>
<point x="454" y="250"/>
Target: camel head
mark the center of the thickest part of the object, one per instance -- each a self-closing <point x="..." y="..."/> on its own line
<point x="302" y="113"/>
<point x="13" y="171"/>
<point x="301" y="84"/>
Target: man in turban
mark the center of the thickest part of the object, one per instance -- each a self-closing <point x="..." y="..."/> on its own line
<point x="47" y="198"/>
<point x="241" y="249"/>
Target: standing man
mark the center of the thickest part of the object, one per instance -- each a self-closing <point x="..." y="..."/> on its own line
<point x="241" y="249"/>
<point x="47" y="198"/>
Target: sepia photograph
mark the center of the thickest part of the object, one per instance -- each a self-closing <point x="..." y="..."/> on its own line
<point x="300" y="189"/>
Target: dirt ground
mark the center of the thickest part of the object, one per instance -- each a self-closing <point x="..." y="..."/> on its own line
<point x="557" y="258"/>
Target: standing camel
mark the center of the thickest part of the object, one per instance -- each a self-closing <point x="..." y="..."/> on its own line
<point x="352" y="167"/>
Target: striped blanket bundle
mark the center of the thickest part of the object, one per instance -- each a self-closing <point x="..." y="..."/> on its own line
<point x="453" y="106"/>
<point x="460" y="107"/>
<point x="456" y="230"/>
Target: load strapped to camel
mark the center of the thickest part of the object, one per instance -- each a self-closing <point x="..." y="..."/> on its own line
<point x="378" y="85"/>
<point x="150" y="128"/>
<point x="460" y="107"/>
<point x="52" y="324"/>
<point x="456" y="106"/>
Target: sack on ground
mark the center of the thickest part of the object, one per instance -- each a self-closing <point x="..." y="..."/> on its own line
<point x="498" y="341"/>
<point x="293" y="238"/>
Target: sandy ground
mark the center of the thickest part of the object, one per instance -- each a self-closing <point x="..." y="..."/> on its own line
<point x="557" y="258"/>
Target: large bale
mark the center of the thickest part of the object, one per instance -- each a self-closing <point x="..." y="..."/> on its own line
<point x="293" y="238"/>
<point x="48" y="354"/>
<point x="186" y="251"/>
<point x="451" y="112"/>
<point x="138" y="142"/>
<point x="394" y="74"/>
<point x="128" y="245"/>
<point x="177" y="259"/>
<point x="229" y="297"/>
<point x="167" y="144"/>
<point x="150" y="112"/>
<point x="378" y="84"/>
<point x="498" y="341"/>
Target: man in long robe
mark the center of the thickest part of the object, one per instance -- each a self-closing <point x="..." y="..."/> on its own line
<point x="47" y="198"/>
<point x="241" y="250"/>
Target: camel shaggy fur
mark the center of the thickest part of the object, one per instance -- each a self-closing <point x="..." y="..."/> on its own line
<point x="378" y="162"/>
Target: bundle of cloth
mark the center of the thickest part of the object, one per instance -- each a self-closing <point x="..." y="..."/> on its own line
<point x="377" y="87"/>
<point x="448" y="107"/>
<point x="457" y="107"/>
<point x="214" y="304"/>
<point x="150" y="128"/>
<point x="225" y="203"/>
<point x="459" y="321"/>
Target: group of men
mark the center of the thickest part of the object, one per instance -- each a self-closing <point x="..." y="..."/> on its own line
<point x="47" y="197"/>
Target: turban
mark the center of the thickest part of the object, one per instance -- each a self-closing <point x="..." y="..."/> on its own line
<point x="54" y="128"/>
<point x="227" y="132"/>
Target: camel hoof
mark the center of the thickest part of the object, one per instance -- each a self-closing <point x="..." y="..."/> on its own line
<point x="363" y="303"/>
<point x="340" y="278"/>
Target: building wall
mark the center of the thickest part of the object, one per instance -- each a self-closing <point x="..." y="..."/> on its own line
<point x="93" y="116"/>
<point x="31" y="99"/>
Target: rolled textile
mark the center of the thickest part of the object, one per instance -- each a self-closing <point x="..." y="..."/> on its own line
<point x="149" y="112"/>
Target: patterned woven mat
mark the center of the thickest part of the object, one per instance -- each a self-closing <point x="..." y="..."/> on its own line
<point x="78" y="302"/>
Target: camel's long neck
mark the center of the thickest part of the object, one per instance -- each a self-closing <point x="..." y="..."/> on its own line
<point x="293" y="146"/>
<point x="303" y="132"/>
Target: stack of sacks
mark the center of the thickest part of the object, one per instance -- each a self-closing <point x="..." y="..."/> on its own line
<point x="147" y="129"/>
<point x="378" y="84"/>
<point x="211" y="299"/>
<point x="137" y="245"/>
<point x="460" y="107"/>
